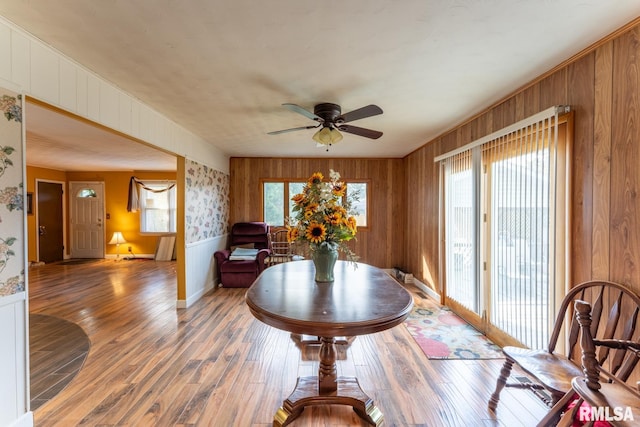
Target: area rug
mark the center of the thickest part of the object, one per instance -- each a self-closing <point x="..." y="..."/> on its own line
<point x="441" y="334"/>
<point x="57" y="351"/>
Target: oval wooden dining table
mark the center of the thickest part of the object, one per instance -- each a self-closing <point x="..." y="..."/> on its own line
<point x="361" y="300"/>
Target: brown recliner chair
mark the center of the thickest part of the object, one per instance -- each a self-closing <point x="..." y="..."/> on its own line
<point x="242" y="273"/>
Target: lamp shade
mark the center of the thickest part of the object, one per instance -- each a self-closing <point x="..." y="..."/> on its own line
<point x="327" y="136"/>
<point x="117" y="239"/>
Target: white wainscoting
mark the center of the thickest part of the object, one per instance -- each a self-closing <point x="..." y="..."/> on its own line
<point x="13" y="359"/>
<point x="200" y="268"/>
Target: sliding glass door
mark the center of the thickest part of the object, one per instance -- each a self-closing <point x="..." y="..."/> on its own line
<point x="503" y="199"/>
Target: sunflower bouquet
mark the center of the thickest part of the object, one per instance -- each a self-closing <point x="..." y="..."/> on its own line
<point x="323" y="215"/>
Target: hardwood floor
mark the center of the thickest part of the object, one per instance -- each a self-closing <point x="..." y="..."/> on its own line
<point x="215" y="365"/>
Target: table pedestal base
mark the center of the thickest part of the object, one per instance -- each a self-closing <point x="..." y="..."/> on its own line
<point x="348" y="392"/>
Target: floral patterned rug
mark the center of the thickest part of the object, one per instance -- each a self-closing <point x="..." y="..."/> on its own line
<point x="441" y="334"/>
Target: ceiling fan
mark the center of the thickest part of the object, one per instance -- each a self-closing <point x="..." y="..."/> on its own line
<point x="331" y="120"/>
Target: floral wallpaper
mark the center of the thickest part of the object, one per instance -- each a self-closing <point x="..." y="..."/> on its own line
<point x="207" y="202"/>
<point x="11" y="196"/>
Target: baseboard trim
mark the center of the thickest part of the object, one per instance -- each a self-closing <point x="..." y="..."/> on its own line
<point x="426" y="289"/>
<point x="181" y="303"/>
<point x="420" y="285"/>
<point x="129" y="257"/>
<point x="26" y="420"/>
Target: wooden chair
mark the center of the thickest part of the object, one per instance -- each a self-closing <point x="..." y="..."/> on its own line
<point x="599" y="388"/>
<point x="280" y="247"/>
<point x="553" y="371"/>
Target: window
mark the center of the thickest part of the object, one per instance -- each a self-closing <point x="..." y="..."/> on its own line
<point x="276" y="200"/>
<point x="273" y="202"/>
<point x="277" y="204"/>
<point x="157" y="207"/>
<point x="357" y="191"/>
<point x="86" y="193"/>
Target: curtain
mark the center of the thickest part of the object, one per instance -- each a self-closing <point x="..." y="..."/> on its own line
<point x="133" y="201"/>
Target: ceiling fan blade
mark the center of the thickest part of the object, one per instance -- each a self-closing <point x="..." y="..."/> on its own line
<point x="367" y="133"/>
<point x="360" y="113"/>
<point x="298" y="109"/>
<point x="277" y="132"/>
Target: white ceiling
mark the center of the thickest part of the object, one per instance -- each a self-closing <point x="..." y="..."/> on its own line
<point x="222" y="69"/>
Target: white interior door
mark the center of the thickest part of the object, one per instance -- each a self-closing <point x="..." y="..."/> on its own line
<point x="87" y="219"/>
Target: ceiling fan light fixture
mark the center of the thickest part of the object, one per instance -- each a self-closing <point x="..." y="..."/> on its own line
<point x="329" y="116"/>
<point x="336" y="136"/>
<point x="327" y="136"/>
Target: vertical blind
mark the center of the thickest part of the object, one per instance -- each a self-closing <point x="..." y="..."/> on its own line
<point x="501" y="209"/>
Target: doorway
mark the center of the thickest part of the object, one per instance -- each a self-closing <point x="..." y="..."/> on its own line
<point x="50" y="220"/>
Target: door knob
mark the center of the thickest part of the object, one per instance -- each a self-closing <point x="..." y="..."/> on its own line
<point x="42" y="230"/>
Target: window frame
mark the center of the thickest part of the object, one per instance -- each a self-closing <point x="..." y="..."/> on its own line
<point x="287" y="197"/>
<point x="367" y="183"/>
<point x="173" y="214"/>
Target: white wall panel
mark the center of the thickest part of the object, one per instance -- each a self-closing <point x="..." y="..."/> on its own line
<point x="93" y="97"/>
<point x="220" y="160"/>
<point x="45" y="74"/>
<point x="201" y="268"/>
<point x="145" y="120"/>
<point x="5" y="53"/>
<point x="68" y="85"/>
<point x="124" y="113"/>
<point x="109" y="105"/>
<point x="82" y="95"/>
<point x="20" y="61"/>
<point x="135" y="118"/>
<point x="166" y="128"/>
<point x="8" y="354"/>
<point x="12" y="358"/>
<point x="180" y="139"/>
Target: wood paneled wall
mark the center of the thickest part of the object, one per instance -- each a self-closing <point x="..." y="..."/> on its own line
<point x="380" y="244"/>
<point x="603" y="88"/>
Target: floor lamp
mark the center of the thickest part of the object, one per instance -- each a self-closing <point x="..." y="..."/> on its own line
<point x="117" y="239"/>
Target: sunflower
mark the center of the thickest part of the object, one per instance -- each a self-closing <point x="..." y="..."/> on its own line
<point x="334" y="218"/>
<point x="351" y="223"/>
<point x="298" y="198"/>
<point x="315" y="179"/>
<point x="316" y="232"/>
<point x="339" y="189"/>
<point x="340" y="210"/>
<point x="292" y="234"/>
